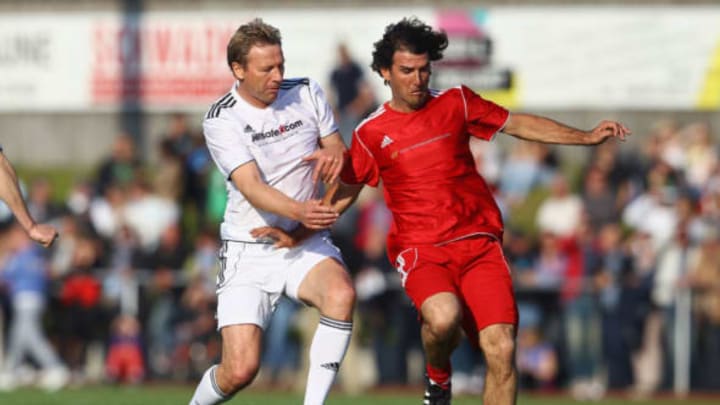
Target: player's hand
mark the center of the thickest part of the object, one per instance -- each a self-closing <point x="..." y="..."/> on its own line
<point x="282" y="238"/>
<point x="607" y="129"/>
<point x="314" y="215"/>
<point x="43" y="234"/>
<point x="328" y="163"/>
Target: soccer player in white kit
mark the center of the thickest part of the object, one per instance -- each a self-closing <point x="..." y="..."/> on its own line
<point x="272" y="139"/>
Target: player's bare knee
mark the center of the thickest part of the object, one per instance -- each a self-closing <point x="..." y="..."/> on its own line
<point x="500" y="355"/>
<point x="443" y="327"/>
<point x="442" y="317"/>
<point x="339" y="301"/>
<point x="240" y="374"/>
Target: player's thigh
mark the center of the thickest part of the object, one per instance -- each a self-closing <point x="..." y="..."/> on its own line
<point x="324" y="279"/>
<point x="318" y="276"/>
<point x="487" y="291"/>
<point x="426" y="272"/>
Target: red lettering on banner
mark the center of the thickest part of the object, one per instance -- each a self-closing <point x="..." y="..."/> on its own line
<point x="164" y="63"/>
<point x="161" y="40"/>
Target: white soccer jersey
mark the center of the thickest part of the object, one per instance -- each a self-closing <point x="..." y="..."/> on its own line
<point x="276" y="138"/>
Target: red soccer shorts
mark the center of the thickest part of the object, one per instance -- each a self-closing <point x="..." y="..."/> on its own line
<point x="474" y="269"/>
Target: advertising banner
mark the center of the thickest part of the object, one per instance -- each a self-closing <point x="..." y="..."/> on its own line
<point x="523" y="57"/>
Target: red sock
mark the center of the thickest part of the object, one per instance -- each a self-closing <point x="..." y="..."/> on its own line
<point x="439" y="376"/>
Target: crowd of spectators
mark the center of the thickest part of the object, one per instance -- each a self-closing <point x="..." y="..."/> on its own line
<point x="600" y="249"/>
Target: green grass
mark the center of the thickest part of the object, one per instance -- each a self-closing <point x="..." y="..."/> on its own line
<point x="181" y="395"/>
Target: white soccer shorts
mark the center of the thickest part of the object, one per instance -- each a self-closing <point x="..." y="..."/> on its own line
<point x="253" y="276"/>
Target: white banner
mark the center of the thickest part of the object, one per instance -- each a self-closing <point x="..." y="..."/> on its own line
<point x="528" y="57"/>
<point x="44" y="62"/>
<point x="610" y="57"/>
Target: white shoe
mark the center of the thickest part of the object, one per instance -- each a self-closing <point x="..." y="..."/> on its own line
<point x="54" y="379"/>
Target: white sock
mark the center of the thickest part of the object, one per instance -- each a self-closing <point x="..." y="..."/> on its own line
<point x="208" y="392"/>
<point x="326" y="353"/>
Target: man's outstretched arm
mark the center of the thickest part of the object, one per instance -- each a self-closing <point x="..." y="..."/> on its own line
<point x="10" y="193"/>
<point x="540" y="129"/>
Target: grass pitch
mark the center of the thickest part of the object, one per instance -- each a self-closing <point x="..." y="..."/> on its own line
<point x="153" y="395"/>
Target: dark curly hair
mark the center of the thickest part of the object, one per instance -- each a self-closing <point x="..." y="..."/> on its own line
<point x="409" y="34"/>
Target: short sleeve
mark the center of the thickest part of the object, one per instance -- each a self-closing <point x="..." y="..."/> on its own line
<point x="325" y="116"/>
<point x="484" y="118"/>
<point x="361" y="167"/>
<point x="225" y="145"/>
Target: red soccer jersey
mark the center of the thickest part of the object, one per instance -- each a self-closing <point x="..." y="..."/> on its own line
<point x="430" y="182"/>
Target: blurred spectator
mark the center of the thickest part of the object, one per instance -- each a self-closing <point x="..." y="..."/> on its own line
<point x="622" y="313"/>
<point x="196" y="344"/>
<point x="550" y="266"/>
<point x="199" y="166"/>
<point x="561" y="212"/>
<point x="701" y="156"/>
<point x="125" y="362"/>
<point x="61" y="258"/>
<point x="704" y="278"/>
<point x="647" y="359"/>
<point x="521" y="172"/>
<point x="670" y="146"/>
<point x="120" y="283"/>
<point x="25" y="273"/>
<point x="672" y="262"/>
<point x="78" y="199"/>
<point x="353" y="96"/>
<point x="652" y="211"/>
<point x="281" y="358"/>
<point x="598" y="199"/>
<point x="106" y="211"/>
<point x="179" y="135"/>
<point x="581" y="343"/>
<point x="169" y="176"/>
<point x="81" y="319"/>
<point x="202" y="265"/>
<point x="537" y="360"/>
<point x="120" y="167"/>
<point x="148" y="215"/>
<point x="161" y="295"/>
<point x="520" y="252"/>
<point x="40" y="203"/>
<point x="385" y="312"/>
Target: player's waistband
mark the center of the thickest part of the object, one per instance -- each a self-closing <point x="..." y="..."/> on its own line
<point x="259" y="241"/>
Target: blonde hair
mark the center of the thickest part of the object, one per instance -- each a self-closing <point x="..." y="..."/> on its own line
<point x="248" y="35"/>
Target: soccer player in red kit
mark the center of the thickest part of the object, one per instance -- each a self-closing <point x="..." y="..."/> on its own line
<point x="445" y="238"/>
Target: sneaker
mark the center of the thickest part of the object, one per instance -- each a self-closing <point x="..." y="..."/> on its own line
<point x="435" y="394"/>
